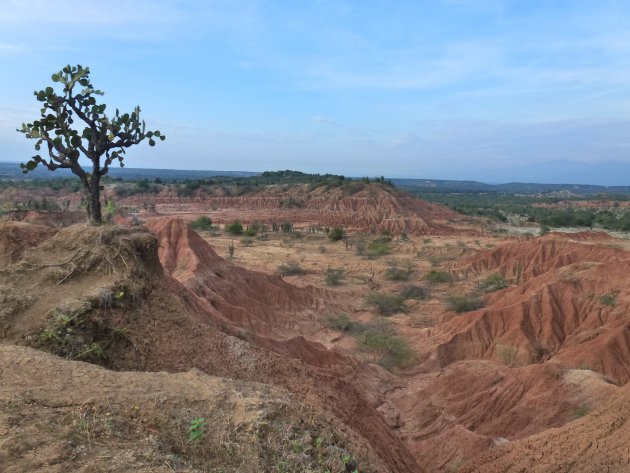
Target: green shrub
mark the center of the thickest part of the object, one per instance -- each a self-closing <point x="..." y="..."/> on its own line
<point x="492" y="283"/>
<point x="378" y="247"/>
<point x="341" y="322"/>
<point x="391" y="349"/>
<point x="247" y="241"/>
<point x="386" y="304"/>
<point x="609" y="299"/>
<point x="436" y="276"/>
<point x="291" y="269"/>
<point x="196" y="429"/>
<point x="462" y="304"/>
<point x="336" y="233"/>
<point x="396" y="273"/>
<point x="581" y="411"/>
<point x="507" y="354"/>
<point x="203" y="223"/>
<point x="234" y="228"/>
<point x="334" y="276"/>
<point x="415" y="292"/>
<point x="250" y="232"/>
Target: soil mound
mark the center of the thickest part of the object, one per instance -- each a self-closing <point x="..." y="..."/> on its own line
<point x="594" y="443"/>
<point x="57" y="416"/>
<point x="571" y="307"/>
<point x="100" y="295"/>
<point x="373" y="209"/>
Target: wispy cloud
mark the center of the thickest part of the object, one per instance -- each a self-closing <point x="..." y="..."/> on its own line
<point x="327" y="121"/>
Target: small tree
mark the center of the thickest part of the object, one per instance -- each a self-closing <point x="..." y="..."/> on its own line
<point x="102" y="139"/>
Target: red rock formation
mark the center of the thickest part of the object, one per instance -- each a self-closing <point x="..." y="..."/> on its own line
<point x="260" y="307"/>
<point x="595" y="443"/>
<point x="570" y="307"/>
<point x="373" y="209"/>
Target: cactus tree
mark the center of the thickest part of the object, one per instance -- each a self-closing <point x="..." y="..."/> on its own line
<point x="73" y="125"/>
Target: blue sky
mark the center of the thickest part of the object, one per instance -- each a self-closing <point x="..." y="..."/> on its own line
<point x="455" y="89"/>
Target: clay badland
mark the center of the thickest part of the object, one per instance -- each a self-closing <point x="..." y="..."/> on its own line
<point x="420" y="340"/>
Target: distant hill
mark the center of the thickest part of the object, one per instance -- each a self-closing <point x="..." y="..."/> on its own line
<point x="446" y="186"/>
<point x="13" y="171"/>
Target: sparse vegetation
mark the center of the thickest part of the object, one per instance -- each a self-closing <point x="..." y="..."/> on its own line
<point x="234" y="228"/>
<point x="63" y="335"/>
<point x="492" y="283"/>
<point x="378" y="247"/>
<point x="386" y="304"/>
<point x="336" y="234"/>
<point x="581" y="411"/>
<point x="390" y="349"/>
<point x="341" y="322"/>
<point x="203" y="223"/>
<point x="461" y="304"/>
<point x="291" y="268"/>
<point x="395" y="272"/>
<point x="415" y="292"/>
<point x="196" y="430"/>
<point x="507" y="354"/>
<point x="437" y="277"/>
<point x="334" y="276"/>
<point x="609" y="300"/>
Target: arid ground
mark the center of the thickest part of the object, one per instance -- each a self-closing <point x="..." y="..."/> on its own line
<point x="419" y="341"/>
